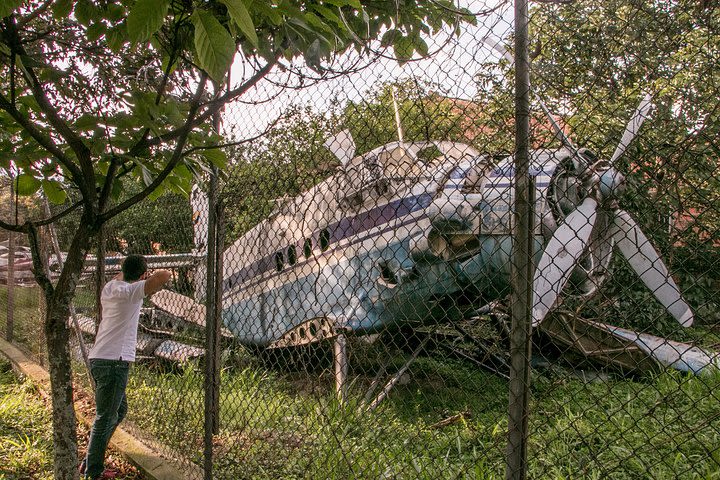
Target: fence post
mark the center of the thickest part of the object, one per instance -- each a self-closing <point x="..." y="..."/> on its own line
<point x="522" y="267"/>
<point x="217" y="323"/>
<point x="10" y="326"/>
<point x="212" y="324"/>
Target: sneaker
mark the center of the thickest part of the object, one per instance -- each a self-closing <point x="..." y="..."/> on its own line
<point x="109" y="473"/>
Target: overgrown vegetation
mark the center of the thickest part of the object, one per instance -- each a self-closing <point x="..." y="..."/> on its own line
<point x="27" y="319"/>
<point x="282" y="424"/>
<point x="25" y="433"/>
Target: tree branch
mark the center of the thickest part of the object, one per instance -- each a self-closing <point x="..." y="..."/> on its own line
<point x="34" y="14"/>
<point x="13" y="227"/>
<point x="45" y="142"/>
<point x="75" y="141"/>
<point x="56" y="217"/>
<point x="25" y="227"/>
<point x="107" y="185"/>
<point x="38" y="268"/>
<point x="213" y="107"/>
<point x="172" y="163"/>
<point x="236" y="143"/>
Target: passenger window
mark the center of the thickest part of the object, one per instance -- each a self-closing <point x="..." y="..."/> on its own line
<point x="292" y="255"/>
<point x="279" y="261"/>
<point x="307" y="248"/>
<point x="324" y="239"/>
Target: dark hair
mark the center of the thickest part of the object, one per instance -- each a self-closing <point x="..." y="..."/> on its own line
<point x="133" y="267"/>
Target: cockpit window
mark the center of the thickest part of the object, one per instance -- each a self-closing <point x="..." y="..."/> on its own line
<point x="400" y="162"/>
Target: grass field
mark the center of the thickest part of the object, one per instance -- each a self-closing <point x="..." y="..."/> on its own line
<point x="278" y="422"/>
<point x="27" y="329"/>
<point x="26" y="432"/>
<point x="288" y="425"/>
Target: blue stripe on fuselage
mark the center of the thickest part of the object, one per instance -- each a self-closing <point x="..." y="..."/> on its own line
<point x="345" y="228"/>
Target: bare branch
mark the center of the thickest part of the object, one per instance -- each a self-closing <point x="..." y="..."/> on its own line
<point x="13" y="227"/>
<point x="56" y="217"/>
<point x="34" y="14"/>
<point x="239" y="142"/>
<point x="213" y="107"/>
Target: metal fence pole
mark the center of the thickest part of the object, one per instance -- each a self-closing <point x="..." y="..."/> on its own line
<point x="211" y="325"/>
<point x="10" y="326"/>
<point x="217" y="319"/>
<point x="210" y="316"/>
<point x="521" y="280"/>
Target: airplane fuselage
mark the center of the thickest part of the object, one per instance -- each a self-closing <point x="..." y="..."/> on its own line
<point x="384" y="242"/>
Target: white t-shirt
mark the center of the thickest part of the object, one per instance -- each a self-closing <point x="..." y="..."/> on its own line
<point x="117" y="334"/>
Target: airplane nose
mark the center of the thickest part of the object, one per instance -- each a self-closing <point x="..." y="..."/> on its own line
<point x="611" y="184"/>
<point x="428" y="248"/>
<point x="451" y="213"/>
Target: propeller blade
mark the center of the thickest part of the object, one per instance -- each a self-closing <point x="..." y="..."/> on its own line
<point x="643" y="258"/>
<point x="558" y="131"/>
<point x="499" y="48"/>
<point x="633" y="126"/>
<point x="342" y="146"/>
<point x="560" y="257"/>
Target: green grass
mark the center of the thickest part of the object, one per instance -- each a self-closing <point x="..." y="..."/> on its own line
<point x="28" y="324"/>
<point x="26" y="449"/>
<point x="25" y="439"/>
<point x="277" y="424"/>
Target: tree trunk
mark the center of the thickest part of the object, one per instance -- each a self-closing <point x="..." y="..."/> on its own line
<point x="57" y="334"/>
<point x="64" y="421"/>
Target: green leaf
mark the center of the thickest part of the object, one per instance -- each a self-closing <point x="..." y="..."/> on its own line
<point x="157" y="193"/>
<point x="116" y="38"/>
<point x="146" y="176"/>
<point x="61" y="8"/>
<point x="390" y="37"/>
<point x="240" y="15"/>
<point x="216" y="156"/>
<point x="86" y="122"/>
<point x="421" y="46"/>
<point x="214" y="45"/>
<point x="54" y="192"/>
<point x="117" y="189"/>
<point x="114" y="12"/>
<point x="27" y="184"/>
<point x="145" y="18"/>
<point x="95" y="31"/>
<point x="404" y="49"/>
<point x="8" y="6"/>
<point x="85" y="12"/>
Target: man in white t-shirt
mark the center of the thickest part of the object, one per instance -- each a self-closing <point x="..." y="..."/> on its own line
<point x="114" y="351"/>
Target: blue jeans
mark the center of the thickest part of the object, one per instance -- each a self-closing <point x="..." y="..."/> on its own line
<point x="111" y="377"/>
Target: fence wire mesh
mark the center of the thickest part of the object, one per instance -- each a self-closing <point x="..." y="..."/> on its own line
<point x="365" y="230"/>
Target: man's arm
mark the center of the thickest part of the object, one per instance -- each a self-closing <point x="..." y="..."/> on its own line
<point x="156" y="281"/>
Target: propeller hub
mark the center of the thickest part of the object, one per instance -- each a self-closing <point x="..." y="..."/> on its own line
<point x="611" y="184"/>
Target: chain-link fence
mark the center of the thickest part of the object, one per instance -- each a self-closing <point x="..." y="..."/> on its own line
<point x="359" y="246"/>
